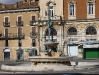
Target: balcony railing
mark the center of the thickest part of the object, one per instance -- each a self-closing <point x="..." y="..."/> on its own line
<point x="33" y="35"/>
<point x="6" y="24"/>
<point x="32" y="22"/>
<point x="19" y="23"/>
<point x="12" y="36"/>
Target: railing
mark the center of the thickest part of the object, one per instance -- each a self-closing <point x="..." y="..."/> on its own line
<point x="19" y="23"/>
<point x="12" y="36"/>
<point x="32" y="34"/>
<point x="32" y="22"/>
<point x="6" y="24"/>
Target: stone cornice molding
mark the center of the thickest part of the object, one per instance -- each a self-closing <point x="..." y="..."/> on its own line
<point x="71" y="2"/>
<point x="91" y="1"/>
<point x="20" y="10"/>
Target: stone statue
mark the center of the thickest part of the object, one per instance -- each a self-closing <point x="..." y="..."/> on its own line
<point x="49" y="29"/>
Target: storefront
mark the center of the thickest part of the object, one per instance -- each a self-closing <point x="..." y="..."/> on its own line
<point x="91" y="52"/>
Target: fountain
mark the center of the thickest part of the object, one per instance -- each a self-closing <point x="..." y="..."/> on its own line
<point x="50" y="60"/>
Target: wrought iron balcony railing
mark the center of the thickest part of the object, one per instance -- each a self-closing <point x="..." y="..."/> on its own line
<point x="6" y="24"/>
<point x="32" y="22"/>
<point x="19" y="23"/>
<point x="12" y="36"/>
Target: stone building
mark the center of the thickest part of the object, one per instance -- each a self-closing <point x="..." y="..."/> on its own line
<point x="17" y="33"/>
<point x="78" y="23"/>
<point x="82" y="24"/>
<point x="54" y="9"/>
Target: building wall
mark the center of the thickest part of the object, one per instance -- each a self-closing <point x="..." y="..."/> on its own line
<point x="26" y="29"/>
<point x="57" y="8"/>
<point x="81" y="9"/>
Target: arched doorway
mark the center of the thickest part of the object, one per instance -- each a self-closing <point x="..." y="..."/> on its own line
<point x="72" y="47"/>
<point x="20" y="54"/>
<point x="6" y="54"/>
<point x="33" y="52"/>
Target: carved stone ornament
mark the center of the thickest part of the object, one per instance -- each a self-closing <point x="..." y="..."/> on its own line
<point x="48" y="3"/>
<point x="71" y="2"/>
<point x="91" y="1"/>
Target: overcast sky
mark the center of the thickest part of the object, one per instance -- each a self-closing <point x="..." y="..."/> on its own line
<point x="8" y="1"/>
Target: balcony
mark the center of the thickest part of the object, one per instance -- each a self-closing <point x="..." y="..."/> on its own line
<point x="12" y="36"/>
<point x="32" y="22"/>
<point x="33" y="35"/>
<point x="19" y="23"/>
<point x="6" y="24"/>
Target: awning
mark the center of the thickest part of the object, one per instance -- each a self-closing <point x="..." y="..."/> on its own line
<point x="6" y="50"/>
<point x="89" y="42"/>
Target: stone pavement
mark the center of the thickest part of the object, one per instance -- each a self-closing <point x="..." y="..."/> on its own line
<point x="75" y="59"/>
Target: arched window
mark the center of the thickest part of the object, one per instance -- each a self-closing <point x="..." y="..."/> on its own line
<point x="91" y="31"/>
<point x="72" y="31"/>
<point x="53" y="31"/>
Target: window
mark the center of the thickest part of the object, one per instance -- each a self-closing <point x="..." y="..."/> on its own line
<point x="51" y="11"/>
<point x="91" y="31"/>
<point x="19" y="18"/>
<point x="19" y="32"/>
<point x="33" y="42"/>
<point x="90" y="9"/>
<point x="6" y="32"/>
<point x="6" y="19"/>
<point x="33" y="18"/>
<point x="72" y="31"/>
<point x="33" y="33"/>
<point x="71" y="10"/>
<point x="20" y="43"/>
<point x="6" y="43"/>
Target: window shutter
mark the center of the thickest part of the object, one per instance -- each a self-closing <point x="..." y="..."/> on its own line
<point x="6" y="32"/>
<point x="19" y="19"/>
<point x="6" y="19"/>
<point x="33" y="18"/>
<point x="33" y="31"/>
<point x="19" y="31"/>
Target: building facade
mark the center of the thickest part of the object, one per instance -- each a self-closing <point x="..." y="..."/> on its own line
<point x="24" y="28"/>
<point x="17" y="35"/>
<point x="54" y="9"/>
<point x="82" y="20"/>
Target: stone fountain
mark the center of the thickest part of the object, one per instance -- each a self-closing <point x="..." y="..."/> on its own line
<point x="50" y="60"/>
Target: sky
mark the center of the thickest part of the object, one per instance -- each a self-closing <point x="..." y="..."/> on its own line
<point x="8" y="1"/>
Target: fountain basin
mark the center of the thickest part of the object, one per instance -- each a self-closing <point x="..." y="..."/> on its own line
<point x="49" y="59"/>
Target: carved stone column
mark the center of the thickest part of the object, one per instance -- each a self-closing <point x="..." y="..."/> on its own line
<point x="41" y="38"/>
<point x="60" y="37"/>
